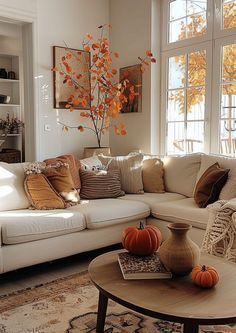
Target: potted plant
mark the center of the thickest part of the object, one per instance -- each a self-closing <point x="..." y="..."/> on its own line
<point x="103" y="102"/>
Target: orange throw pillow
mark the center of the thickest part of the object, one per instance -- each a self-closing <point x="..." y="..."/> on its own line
<point x="60" y="177"/>
<point x="41" y="194"/>
<point x="209" y="185"/>
<point x="74" y="166"/>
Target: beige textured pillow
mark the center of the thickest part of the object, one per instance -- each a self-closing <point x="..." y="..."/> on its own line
<point x="130" y="167"/>
<point x="180" y="173"/>
<point x="152" y="174"/>
<point x="229" y="189"/>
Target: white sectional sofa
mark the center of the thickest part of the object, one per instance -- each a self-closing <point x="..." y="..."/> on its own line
<point x="28" y="237"/>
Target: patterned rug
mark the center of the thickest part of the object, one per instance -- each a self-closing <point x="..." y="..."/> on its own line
<point x="69" y="305"/>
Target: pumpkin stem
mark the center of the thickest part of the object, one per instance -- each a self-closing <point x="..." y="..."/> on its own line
<point x="204" y="268"/>
<point x="141" y="225"/>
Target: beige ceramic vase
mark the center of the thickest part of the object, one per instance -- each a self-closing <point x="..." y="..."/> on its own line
<point x="179" y="253"/>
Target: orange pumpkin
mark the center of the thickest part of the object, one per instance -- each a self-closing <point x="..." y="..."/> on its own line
<point x="205" y="276"/>
<point x="142" y="241"/>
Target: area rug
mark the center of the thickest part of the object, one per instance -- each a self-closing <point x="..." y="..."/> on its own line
<point x="69" y="305"/>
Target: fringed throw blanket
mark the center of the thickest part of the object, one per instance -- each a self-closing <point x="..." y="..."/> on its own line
<point x="220" y="236"/>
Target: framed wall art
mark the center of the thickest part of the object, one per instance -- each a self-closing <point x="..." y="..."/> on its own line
<point x="133" y="91"/>
<point x="77" y="62"/>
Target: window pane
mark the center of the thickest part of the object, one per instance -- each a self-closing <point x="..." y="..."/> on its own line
<point x="176" y="105"/>
<point x="197" y="68"/>
<point x="196" y="104"/>
<point x="229" y="14"/>
<point x="196" y="6"/>
<point x="177" y="9"/>
<point x="177" y="72"/>
<point x="177" y="30"/>
<point x="229" y="63"/>
<point x="228" y="137"/>
<point x="175" y="138"/>
<point x="196" y="25"/>
<point x="187" y="19"/>
<point x="195" y="136"/>
<point x="228" y="98"/>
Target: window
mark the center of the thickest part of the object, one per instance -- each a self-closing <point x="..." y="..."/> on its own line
<point x="199" y="79"/>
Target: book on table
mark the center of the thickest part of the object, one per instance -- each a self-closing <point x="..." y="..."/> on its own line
<point x="142" y="267"/>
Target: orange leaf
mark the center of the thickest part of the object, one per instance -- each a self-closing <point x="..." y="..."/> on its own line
<point x="153" y="60"/>
<point x="89" y="36"/>
<point x="149" y="53"/>
<point x="87" y="48"/>
<point x="80" y="128"/>
<point x="114" y="71"/>
<point x="116" y="54"/>
<point x="123" y="132"/>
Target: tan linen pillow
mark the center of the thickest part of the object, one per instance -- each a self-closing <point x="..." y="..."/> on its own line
<point x="209" y="185"/>
<point x="130" y="167"/>
<point x="152" y="174"/>
<point x="101" y="184"/>
<point x="180" y="173"/>
<point x="229" y="190"/>
<point x="74" y="166"/>
<point x="40" y="192"/>
<point x="60" y="177"/>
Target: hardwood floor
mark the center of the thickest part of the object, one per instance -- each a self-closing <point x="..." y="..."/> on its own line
<point x="46" y="272"/>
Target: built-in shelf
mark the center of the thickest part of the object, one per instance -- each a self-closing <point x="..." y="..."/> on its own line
<point x="9" y="80"/>
<point x="5" y="104"/>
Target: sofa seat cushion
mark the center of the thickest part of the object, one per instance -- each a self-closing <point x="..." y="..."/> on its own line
<point x="25" y="225"/>
<point x="183" y="211"/>
<point x="105" y="212"/>
<point x="153" y="198"/>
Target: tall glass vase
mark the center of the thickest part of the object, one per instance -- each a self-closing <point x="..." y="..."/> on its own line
<point x="179" y="253"/>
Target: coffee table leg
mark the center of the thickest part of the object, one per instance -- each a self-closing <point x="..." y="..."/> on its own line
<point x="102" y="310"/>
<point x="190" y="327"/>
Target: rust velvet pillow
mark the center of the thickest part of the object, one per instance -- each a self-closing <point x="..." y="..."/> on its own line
<point x="40" y="192"/>
<point x="209" y="185"/>
<point x="60" y="178"/>
<point x="74" y="166"/>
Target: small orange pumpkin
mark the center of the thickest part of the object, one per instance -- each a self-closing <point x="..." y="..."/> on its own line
<point x="142" y="241"/>
<point x="205" y="276"/>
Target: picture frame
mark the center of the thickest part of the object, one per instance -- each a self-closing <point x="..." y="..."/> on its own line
<point x="134" y="99"/>
<point x="61" y="89"/>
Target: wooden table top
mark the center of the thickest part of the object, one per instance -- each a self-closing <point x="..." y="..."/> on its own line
<point x="174" y="298"/>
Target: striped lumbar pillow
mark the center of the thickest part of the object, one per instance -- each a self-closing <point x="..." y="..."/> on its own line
<point x="101" y="184"/>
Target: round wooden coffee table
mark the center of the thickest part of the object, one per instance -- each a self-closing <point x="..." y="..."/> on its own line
<point x="176" y="299"/>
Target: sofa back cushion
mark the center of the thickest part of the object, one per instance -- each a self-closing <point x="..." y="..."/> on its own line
<point x="12" y="193"/>
<point x="180" y="173"/>
<point x="229" y="189"/>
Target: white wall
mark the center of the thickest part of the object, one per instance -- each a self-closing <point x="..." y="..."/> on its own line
<point x="131" y="37"/>
<point x="59" y="21"/>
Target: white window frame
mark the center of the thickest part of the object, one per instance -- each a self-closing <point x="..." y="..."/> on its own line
<point x="189" y="41"/>
<point x="216" y="91"/>
<point x="172" y="53"/>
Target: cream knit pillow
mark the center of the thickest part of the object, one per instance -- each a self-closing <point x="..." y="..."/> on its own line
<point x="130" y="167"/>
